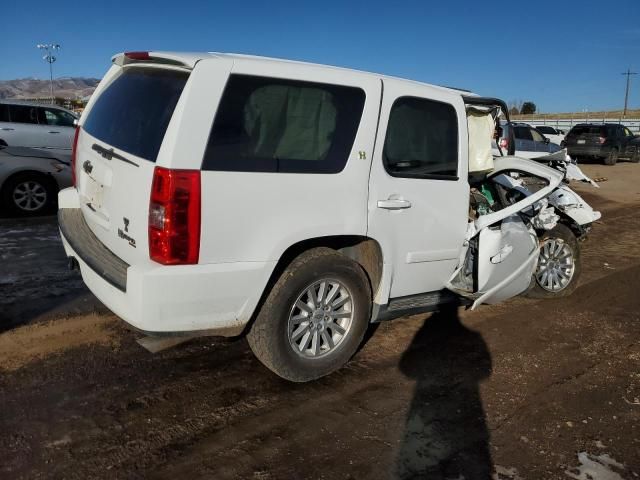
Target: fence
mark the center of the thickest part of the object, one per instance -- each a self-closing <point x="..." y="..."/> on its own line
<point x="565" y="124"/>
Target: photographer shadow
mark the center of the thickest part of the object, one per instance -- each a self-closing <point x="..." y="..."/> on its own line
<point x="446" y="435"/>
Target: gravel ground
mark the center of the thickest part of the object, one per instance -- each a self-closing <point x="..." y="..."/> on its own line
<point x="523" y="390"/>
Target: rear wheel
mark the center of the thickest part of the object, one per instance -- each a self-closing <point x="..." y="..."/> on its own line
<point x="29" y="194"/>
<point x="559" y="264"/>
<point x="314" y="318"/>
<point x="612" y="158"/>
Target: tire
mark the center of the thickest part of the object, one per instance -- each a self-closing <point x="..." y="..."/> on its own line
<point x="612" y="158"/>
<point x="275" y="337"/>
<point x="546" y="287"/>
<point x="29" y="194"/>
<point x="636" y="156"/>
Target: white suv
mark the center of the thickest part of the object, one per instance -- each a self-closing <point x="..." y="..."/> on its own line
<point x="224" y="194"/>
<point x="45" y="127"/>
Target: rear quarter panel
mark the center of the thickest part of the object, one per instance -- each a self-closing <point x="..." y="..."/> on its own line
<point x="255" y="217"/>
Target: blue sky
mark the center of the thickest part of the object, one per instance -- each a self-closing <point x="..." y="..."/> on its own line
<point x="562" y="55"/>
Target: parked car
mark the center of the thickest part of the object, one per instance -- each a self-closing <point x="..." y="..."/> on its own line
<point x="529" y="142"/>
<point x="608" y="142"/>
<point x="296" y="203"/>
<point x="45" y="127"/>
<point x="30" y="180"/>
<point x="555" y="135"/>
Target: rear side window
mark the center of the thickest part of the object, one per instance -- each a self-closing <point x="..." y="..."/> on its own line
<point x="275" y="125"/>
<point x="23" y="114"/>
<point x="523" y="133"/>
<point x="4" y="113"/>
<point x="546" y="130"/>
<point x="133" y="113"/>
<point x="421" y="140"/>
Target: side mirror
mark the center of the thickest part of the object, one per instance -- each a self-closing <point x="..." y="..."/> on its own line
<point x="546" y="140"/>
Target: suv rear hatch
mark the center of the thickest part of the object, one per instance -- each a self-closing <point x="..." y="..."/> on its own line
<point x="117" y="147"/>
<point x="587" y="135"/>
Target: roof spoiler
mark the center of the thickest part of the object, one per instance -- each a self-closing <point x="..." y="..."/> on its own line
<point x="161" y="58"/>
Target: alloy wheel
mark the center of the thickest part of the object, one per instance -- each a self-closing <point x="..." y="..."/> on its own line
<point x="320" y="318"/>
<point x="555" y="265"/>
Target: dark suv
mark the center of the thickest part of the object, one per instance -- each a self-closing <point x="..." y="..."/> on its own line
<point x="608" y="141"/>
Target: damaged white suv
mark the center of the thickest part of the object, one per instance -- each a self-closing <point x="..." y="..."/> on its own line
<point x="224" y="194"/>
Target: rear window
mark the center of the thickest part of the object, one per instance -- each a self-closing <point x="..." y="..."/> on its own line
<point x="588" y="129"/>
<point x="275" y="125"/>
<point x="133" y="113"/>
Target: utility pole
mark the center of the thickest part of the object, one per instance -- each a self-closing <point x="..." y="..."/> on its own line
<point x="628" y="73"/>
<point x="49" y="58"/>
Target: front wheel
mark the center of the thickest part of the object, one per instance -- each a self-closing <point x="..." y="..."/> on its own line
<point x="314" y="318"/>
<point x="559" y="264"/>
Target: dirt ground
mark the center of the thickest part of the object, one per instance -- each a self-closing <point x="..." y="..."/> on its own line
<point x="523" y="390"/>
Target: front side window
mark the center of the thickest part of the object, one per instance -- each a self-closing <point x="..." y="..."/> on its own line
<point x="537" y="137"/>
<point x="53" y="116"/>
<point x="276" y="125"/>
<point x="421" y="140"/>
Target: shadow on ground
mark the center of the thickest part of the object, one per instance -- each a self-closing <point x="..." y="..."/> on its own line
<point x="446" y="435"/>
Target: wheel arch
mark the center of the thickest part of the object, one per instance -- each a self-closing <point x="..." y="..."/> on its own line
<point x="30" y="171"/>
<point x="364" y="250"/>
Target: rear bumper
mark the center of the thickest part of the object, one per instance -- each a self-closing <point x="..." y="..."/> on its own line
<point x="588" y="150"/>
<point x="214" y="299"/>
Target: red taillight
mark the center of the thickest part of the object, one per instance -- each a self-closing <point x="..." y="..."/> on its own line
<point x="174" y="216"/>
<point x="504" y="143"/>
<point x="74" y="153"/>
<point x="137" y="55"/>
<point x="602" y="139"/>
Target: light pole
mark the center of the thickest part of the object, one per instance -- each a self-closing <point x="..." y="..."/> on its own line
<point x="628" y="73"/>
<point x="49" y="58"/>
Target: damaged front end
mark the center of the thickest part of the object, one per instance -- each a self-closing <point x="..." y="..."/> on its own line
<point x="509" y="208"/>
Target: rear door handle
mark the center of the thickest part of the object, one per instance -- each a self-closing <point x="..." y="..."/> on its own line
<point x="53" y="131"/>
<point x="394" y="204"/>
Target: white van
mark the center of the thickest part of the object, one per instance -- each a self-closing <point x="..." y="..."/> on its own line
<point x="222" y="194"/>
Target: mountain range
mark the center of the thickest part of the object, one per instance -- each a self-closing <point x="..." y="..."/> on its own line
<point x="28" y="88"/>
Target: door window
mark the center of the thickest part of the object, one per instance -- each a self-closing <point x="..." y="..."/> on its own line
<point x="275" y="125"/>
<point x="421" y="140"/>
<point x="23" y="114"/>
<point x="522" y="133"/>
<point x="627" y="132"/>
<point x="4" y="113"/>
<point x="53" y="116"/>
<point x="537" y="137"/>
